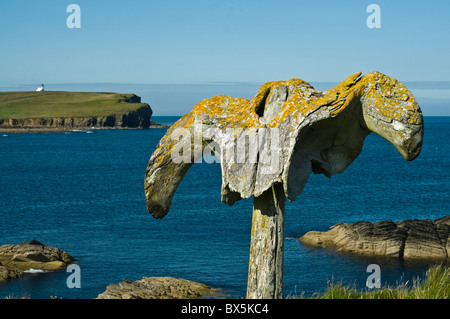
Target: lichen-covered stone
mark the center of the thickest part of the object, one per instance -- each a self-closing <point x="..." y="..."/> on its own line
<point x="293" y="130"/>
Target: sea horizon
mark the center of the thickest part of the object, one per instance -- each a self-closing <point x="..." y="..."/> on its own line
<point x="178" y="99"/>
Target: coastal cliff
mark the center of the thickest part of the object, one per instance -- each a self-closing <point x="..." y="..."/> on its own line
<point x="69" y="110"/>
<point x="139" y="118"/>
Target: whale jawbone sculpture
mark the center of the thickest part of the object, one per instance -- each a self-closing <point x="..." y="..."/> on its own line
<point x="269" y="146"/>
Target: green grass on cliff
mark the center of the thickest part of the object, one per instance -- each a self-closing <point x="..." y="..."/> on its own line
<point x="58" y="104"/>
<point x="435" y="285"/>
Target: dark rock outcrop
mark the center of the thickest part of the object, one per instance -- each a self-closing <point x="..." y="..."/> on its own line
<point x="157" y="288"/>
<point x="408" y="239"/>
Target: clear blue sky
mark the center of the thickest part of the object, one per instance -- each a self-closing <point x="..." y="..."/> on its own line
<point x="193" y="41"/>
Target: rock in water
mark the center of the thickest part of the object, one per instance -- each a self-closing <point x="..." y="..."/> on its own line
<point x="408" y="239"/>
<point x="157" y="288"/>
<point x="33" y="255"/>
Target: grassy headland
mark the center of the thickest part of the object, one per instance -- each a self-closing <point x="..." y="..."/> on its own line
<point x="53" y="104"/>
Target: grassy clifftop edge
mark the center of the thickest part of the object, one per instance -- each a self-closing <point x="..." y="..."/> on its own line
<point x="60" y="104"/>
<point x="60" y="110"/>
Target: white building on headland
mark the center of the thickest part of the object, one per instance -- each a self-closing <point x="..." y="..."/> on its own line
<point x="41" y="88"/>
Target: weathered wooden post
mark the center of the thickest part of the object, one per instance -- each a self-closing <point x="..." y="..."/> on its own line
<point x="265" y="269"/>
<point x="269" y="145"/>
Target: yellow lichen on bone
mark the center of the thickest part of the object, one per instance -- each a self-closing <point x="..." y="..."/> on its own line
<point x="304" y="99"/>
<point x="356" y="106"/>
<point x="225" y="110"/>
<point x="391" y="99"/>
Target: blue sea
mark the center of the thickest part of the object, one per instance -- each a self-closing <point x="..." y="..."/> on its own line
<point x="83" y="192"/>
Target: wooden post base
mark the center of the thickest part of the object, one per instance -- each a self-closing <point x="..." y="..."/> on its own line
<point x="265" y="272"/>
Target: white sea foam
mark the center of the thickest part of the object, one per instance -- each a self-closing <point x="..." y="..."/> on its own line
<point x="34" y="271"/>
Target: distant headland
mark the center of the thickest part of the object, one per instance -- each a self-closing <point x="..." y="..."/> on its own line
<point x="60" y="110"/>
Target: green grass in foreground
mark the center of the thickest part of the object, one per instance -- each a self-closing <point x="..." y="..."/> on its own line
<point x="435" y="285"/>
<point x="59" y="104"/>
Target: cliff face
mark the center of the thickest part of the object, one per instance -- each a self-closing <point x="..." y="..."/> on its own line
<point x="139" y="118"/>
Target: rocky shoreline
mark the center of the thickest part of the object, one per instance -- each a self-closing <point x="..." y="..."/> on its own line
<point x="138" y="119"/>
<point x="31" y="129"/>
<point x="408" y="239"/>
<point x="17" y="260"/>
